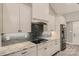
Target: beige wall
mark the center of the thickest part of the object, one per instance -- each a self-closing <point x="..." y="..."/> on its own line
<point x="59" y="20"/>
<point x="69" y="32"/>
<point x="51" y="22"/>
<point x="74" y="16"/>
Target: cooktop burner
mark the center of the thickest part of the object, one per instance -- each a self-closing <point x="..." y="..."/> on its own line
<point x="39" y="41"/>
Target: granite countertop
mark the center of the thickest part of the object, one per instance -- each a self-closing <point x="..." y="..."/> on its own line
<point x="15" y="47"/>
<point x="19" y="46"/>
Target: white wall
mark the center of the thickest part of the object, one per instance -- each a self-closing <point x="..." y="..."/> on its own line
<point x="55" y="21"/>
<point x="74" y="16"/>
<point x="71" y="17"/>
<point x="69" y="32"/>
<point x="64" y="8"/>
<point x="59" y="20"/>
<point x="51" y="22"/>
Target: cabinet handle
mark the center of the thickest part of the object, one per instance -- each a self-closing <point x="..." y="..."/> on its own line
<point x="25" y="49"/>
<point x="32" y="46"/>
<point x="19" y="30"/>
<point x="24" y="52"/>
<point x="45" y="48"/>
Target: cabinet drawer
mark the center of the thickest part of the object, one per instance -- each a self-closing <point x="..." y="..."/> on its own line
<point x="41" y="52"/>
<point x="29" y="52"/>
<point x="32" y="53"/>
<point x="13" y="54"/>
<point x="24" y="52"/>
<point x="42" y="45"/>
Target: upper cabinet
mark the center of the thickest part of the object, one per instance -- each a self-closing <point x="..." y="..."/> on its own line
<point x="15" y="18"/>
<point x="0" y="18"/>
<point x="10" y="18"/>
<point x="25" y="18"/>
<point x="51" y="23"/>
<point x="40" y="11"/>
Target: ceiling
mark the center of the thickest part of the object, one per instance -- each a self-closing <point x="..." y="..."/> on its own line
<point x="64" y="8"/>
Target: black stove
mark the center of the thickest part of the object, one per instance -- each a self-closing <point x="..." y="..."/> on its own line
<point x="36" y="32"/>
<point x="38" y="41"/>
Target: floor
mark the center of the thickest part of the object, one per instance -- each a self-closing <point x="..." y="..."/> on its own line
<point x="71" y="50"/>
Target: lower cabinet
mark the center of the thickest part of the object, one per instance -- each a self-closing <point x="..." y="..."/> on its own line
<point x="43" y="49"/>
<point x="29" y="52"/>
<point x="48" y="48"/>
<point x="24" y="52"/>
<point x="41" y="52"/>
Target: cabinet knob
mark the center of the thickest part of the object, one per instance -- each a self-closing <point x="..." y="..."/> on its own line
<point x="2" y="33"/>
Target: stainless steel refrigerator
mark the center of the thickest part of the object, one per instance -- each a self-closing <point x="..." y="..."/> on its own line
<point x="62" y="37"/>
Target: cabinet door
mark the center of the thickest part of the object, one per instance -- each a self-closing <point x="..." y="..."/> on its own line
<point x="41" y="49"/>
<point x="25" y="52"/>
<point x="41" y="52"/>
<point x="32" y="51"/>
<point x="25" y="18"/>
<point x="13" y="54"/>
<point x="10" y="18"/>
<point x="0" y="18"/>
<point x="29" y="51"/>
<point x="52" y="47"/>
<point x="55" y="46"/>
<point x="40" y="11"/>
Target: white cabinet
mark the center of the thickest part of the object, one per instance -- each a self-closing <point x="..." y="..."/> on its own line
<point x="25" y="18"/>
<point x="51" y="23"/>
<point x="29" y="52"/>
<point x="10" y="18"/>
<point x="41" y="52"/>
<point x="48" y="48"/>
<point x="56" y="45"/>
<point x="41" y="49"/>
<point x="52" y="47"/>
<point x="0" y="18"/>
<point x="40" y="11"/>
<point x="14" y="18"/>
<point x="24" y="52"/>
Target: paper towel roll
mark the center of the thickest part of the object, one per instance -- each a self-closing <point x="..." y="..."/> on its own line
<point x="54" y="35"/>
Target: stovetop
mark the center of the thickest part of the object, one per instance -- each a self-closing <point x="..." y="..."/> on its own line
<point x="37" y="41"/>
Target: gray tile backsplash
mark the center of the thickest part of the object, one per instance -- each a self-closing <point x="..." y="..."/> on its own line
<point x="15" y="38"/>
<point x="46" y="34"/>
